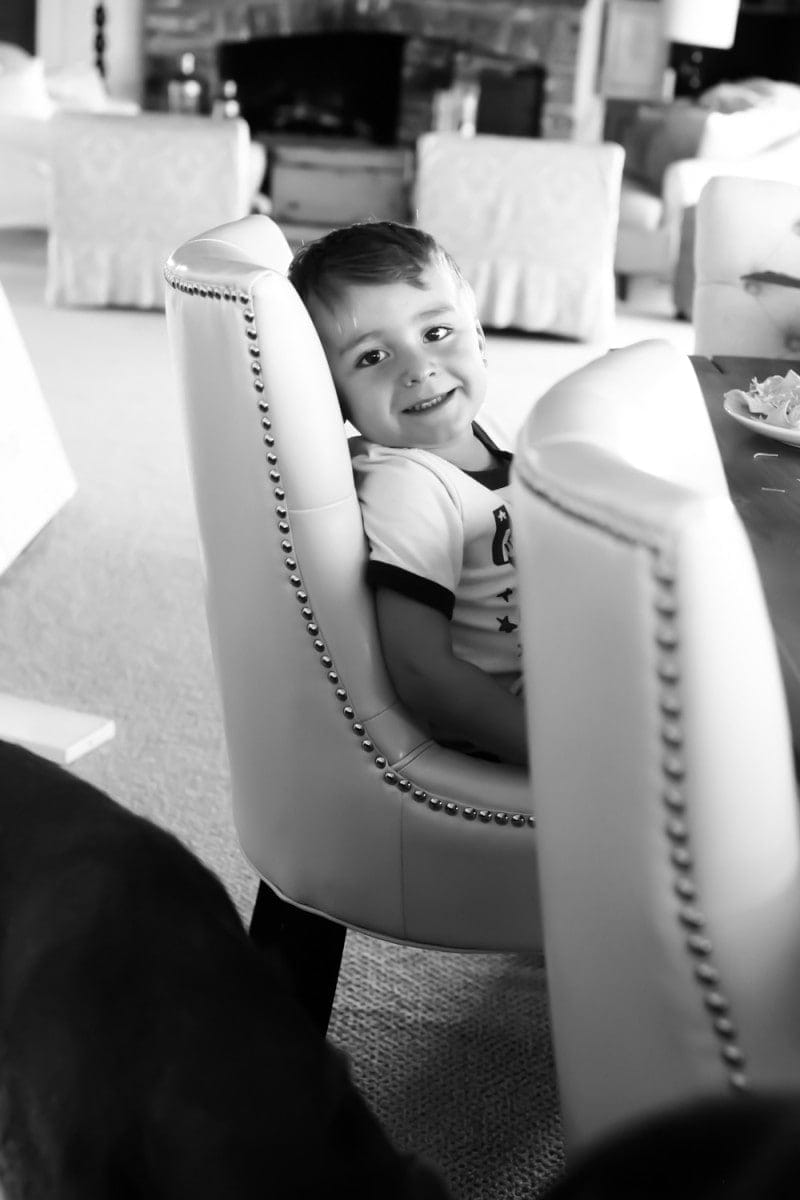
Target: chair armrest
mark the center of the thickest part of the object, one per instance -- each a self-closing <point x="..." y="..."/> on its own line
<point x="749" y="132"/>
<point x="685" y="179"/>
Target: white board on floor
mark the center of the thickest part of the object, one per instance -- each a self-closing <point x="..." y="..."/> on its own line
<point x="60" y="734"/>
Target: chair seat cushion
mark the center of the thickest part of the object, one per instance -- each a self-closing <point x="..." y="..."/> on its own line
<point x="639" y="207"/>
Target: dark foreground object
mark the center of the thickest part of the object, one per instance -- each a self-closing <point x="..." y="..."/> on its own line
<point x="726" y="1148"/>
<point x="147" y="1047"/>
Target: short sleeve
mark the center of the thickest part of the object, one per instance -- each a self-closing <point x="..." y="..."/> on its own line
<point x="412" y="518"/>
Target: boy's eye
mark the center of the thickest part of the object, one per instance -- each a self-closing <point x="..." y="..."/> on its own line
<point x="438" y="333"/>
<point x="371" y="358"/>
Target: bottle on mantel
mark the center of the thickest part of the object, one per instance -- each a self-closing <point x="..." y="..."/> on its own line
<point x="185" y="92"/>
<point x="226" y="105"/>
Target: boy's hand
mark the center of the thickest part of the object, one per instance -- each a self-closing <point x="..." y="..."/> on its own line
<point x="456" y="699"/>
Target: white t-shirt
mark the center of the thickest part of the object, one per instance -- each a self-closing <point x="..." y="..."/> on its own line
<point x="442" y="536"/>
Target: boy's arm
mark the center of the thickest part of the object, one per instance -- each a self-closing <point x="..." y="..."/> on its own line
<point x="456" y="699"/>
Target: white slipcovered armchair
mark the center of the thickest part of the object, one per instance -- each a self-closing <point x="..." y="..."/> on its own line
<point x="532" y="223"/>
<point x="128" y="189"/>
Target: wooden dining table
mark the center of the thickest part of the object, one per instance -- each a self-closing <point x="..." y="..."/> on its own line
<point x="764" y="482"/>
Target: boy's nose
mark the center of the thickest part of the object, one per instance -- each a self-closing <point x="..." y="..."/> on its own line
<point x="417" y="371"/>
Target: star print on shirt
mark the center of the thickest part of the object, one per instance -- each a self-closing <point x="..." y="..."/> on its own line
<point x="505" y="595"/>
<point x="502" y="551"/>
<point x="504" y="625"/>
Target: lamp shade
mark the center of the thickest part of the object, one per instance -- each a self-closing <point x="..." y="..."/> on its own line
<point x="700" y="22"/>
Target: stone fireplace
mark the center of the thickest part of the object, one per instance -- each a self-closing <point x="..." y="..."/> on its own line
<point x="339" y="91"/>
<point x="335" y="84"/>
<point x="554" y="42"/>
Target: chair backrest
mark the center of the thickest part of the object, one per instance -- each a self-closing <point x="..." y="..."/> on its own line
<point x="127" y="189"/>
<point x="531" y="222"/>
<point x="747" y="268"/>
<point x="660" y="752"/>
<point x="341" y="801"/>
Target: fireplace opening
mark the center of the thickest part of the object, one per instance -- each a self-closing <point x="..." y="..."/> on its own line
<point x="327" y="85"/>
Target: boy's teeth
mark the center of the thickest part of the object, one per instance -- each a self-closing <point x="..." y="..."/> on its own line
<point x="423" y="404"/>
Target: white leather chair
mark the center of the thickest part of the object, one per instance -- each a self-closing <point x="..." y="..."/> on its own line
<point x="747" y="239"/>
<point x="661" y="761"/>
<point x="342" y="804"/>
<point x="531" y="222"/>
<point x="127" y="189"/>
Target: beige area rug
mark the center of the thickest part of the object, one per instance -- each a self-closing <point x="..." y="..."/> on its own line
<point x="458" y="1062"/>
<point x="104" y="612"/>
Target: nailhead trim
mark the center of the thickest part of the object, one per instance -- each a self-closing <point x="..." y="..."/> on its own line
<point x="391" y="777"/>
<point x="690" y="916"/>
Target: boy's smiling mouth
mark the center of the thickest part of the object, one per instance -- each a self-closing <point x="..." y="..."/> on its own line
<point x="432" y="402"/>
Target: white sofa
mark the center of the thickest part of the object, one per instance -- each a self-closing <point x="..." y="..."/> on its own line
<point x="29" y="98"/>
<point x="671" y="153"/>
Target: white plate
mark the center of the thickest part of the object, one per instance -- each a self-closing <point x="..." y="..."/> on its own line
<point x="738" y="409"/>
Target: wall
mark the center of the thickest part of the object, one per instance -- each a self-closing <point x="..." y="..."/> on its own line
<point x="65" y="36"/>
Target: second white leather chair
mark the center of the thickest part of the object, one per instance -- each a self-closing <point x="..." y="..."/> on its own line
<point x="660" y="753"/>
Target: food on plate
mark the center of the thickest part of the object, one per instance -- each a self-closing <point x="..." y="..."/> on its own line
<point x="775" y="401"/>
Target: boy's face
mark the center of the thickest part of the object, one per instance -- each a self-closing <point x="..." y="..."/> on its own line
<point x="408" y="362"/>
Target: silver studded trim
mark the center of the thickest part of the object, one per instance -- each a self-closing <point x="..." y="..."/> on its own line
<point x="391" y="777"/>
<point x="191" y="288"/>
<point x="691" y="920"/>
<point x="690" y="917"/>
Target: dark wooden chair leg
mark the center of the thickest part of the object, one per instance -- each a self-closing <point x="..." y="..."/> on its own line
<point x="310" y="945"/>
<point x="622" y="284"/>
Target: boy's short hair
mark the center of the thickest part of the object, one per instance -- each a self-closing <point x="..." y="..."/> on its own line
<point x="366" y="252"/>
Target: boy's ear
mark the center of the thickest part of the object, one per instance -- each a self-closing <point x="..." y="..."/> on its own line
<point x="481" y="341"/>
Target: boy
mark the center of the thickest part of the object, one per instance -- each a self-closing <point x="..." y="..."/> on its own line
<point x="398" y="325"/>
